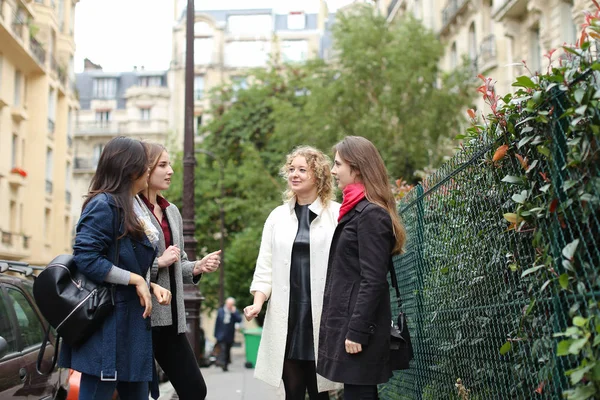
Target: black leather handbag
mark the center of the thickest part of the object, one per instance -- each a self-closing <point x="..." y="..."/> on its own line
<point x="401" y="351"/>
<point x="73" y="305"/>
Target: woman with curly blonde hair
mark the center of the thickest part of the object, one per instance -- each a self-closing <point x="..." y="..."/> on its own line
<point x="290" y="271"/>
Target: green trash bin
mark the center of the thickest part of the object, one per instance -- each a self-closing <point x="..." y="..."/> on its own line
<point x="252" y="339"/>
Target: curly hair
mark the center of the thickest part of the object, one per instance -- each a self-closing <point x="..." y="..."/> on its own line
<point x="318" y="164"/>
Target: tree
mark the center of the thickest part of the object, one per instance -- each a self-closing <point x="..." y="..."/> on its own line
<point x="384" y="85"/>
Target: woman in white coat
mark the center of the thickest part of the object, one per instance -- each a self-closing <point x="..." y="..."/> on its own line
<point x="290" y="273"/>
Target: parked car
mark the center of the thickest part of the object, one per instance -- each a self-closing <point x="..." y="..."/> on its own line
<point x="22" y="330"/>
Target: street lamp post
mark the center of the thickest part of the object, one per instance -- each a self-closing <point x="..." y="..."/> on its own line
<point x="222" y="220"/>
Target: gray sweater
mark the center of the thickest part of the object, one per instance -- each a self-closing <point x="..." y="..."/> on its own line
<point x="161" y="314"/>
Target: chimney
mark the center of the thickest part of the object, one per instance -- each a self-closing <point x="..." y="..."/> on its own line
<point x="88" y="65"/>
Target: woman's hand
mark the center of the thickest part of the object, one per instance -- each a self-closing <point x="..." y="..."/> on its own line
<point x="209" y="263"/>
<point x="352" y="347"/>
<point x="143" y="292"/>
<point x="162" y="295"/>
<point x="170" y="256"/>
<point x="252" y="311"/>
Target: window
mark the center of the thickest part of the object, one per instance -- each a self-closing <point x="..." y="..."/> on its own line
<point x="472" y="42"/>
<point x="49" y="169"/>
<point x="30" y="328"/>
<point x="61" y="15"/>
<point x="260" y="24"/>
<point x="201" y="28"/>
<point x="535" y="51"/>
<point x="296" y="20"/>
<point x="7" y="331"/>
<point x="453" y="56"/>
<point x="198" y="87"/>
<point x="47" y="224"/>
<point x="12" y="226"/>
<point x="18" y="87"/>
<point x="105" y="88"/>
<point x="13" y="154"/>
<point x="96" y="155"/>
<point x="102" y="118"/>
<point x="149" y="81"/>
<point x="145" y="114"/>
<point x="198" y="123"/>
<point x="68" y="175"/>
<point x="51" y="109"/>
<point x="247" y="53"/>
<point x="239" y="83"/>
<point x="72" y="22"/>
<point x="203" y="49"/>
<point x="70" y="128"/>
<point x="294" y="50"/>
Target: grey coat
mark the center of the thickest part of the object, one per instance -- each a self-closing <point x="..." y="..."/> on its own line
<point x="161" y="314"/>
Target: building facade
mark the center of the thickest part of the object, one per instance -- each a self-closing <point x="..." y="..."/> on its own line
<point x="232" y="37"/>
<point x="496" y="35"/>
<point x="38" y="101"/>
<point x="134" y="104"/>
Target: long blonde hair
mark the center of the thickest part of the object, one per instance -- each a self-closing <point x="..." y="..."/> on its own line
<point x="319" y="165"/>
<point x="153" y="152"/>
<point x="364" y="159"/>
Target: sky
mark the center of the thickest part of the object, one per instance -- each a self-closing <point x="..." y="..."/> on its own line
<point x="121" y="34"/>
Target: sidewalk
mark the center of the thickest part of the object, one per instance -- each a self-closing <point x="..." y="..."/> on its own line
<point x="236" y="384"/>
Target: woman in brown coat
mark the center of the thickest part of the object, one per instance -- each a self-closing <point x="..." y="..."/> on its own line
<point x="354" y="339"/>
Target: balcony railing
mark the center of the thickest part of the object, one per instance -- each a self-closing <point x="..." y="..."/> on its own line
<point x="62" y="75"/>
<point x="18" y="23"/>
<point x="97" y="127"/>
<point x="37" y="50"/>
<point x="487" y="49"/>
<point x="453" y="7"/>
<point x="85" y="164"/>
<point x="54" y="65"/>
<point x="49" y="186"/>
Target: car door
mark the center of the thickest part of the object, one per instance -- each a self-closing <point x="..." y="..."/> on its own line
<point x="12" y="369"/>
<point x="30" y="337"/>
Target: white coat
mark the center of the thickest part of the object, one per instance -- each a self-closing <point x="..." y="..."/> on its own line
<point x="272" y="277"/>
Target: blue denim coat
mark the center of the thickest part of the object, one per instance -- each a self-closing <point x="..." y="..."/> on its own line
<point x="129" y="335"/>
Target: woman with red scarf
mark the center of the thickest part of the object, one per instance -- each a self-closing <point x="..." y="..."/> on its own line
<point x="354" y="338"/>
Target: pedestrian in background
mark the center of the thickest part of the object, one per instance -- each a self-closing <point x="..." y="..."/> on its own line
<point x="227" y="318"/>
<point x="172" y="269"/>
<point x="354" y="342"/>
<point x="119" y="355"/>
<point x="290" y="272"/>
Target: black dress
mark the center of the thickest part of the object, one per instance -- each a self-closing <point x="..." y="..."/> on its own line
<point x="300" y="343"/>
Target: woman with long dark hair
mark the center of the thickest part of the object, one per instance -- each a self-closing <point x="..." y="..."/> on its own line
<point x="119" y="355"/>
<point x="172" y="269"/>
<point x="354" y="343"/>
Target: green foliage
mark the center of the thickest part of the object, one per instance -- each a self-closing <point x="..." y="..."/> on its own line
<point x="383" y="85"/>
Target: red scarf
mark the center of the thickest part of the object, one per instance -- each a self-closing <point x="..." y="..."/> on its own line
<point x="353" y="193"/>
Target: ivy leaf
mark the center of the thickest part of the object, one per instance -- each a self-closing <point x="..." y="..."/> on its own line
<point x="524" y="81"/>
<point x="581" y="392"/>
<point x="568" y="184"/>
<point x="505" y="348"/>
<point x="531" y="270"/>
<point x="512" y="179"/>
<point x="524" y="141"/>
<point x="563" y="279"/>
<point x="545" y="187"/>
<point x="577" y="374"/>
<point x="543" y="150"/>
<point x="520" y="198"/>
<point x="577" y="345"/>
<point x="562" y="349"/>
<point x="580" y="321"/>
<point x="532" y="166"/>
<point x="579" y="93"/>
<point x="569" y="250"/>
<point x="581" y="109"/>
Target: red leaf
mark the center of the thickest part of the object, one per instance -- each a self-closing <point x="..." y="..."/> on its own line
<point x="471" y="113"/>
<point x="500" y="153"/>
<point x="540" y="387"/>
<point x="522" y="160"/>
<point x="544" y="177"/>
<point x="553" y="205"/>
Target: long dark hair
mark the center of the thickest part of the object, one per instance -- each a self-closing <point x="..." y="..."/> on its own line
<point x="363" y="158"/>
<point x="122" y="162"/>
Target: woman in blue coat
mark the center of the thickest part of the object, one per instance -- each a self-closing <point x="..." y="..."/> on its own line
<point x="119" y="355"/>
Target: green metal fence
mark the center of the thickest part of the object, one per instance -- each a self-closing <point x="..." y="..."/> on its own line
<point x="462" y="281"/>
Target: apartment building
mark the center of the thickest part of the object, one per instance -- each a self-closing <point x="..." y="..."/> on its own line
<point x="37" y="103"/>
<point x="233" y="36"/>
<point x="496" y="35"/>
<point x="134" y="104"/>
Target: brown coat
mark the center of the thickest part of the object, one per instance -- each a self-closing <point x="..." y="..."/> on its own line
<point x="356" y="304"/>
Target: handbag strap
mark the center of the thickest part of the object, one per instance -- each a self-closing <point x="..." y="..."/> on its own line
<point x="395" y="283"/>
<point x="42" y="351"/>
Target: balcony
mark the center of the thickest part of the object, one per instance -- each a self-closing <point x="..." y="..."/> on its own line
<point x="509" y="9"/>
<point x="19" y="23"/>
<point x="38" y="51"/>
<point x="97" y="128"/>
<point x="487" y="58"/>
<point x="452" y="10"/>
<point x="142" y="127"/>
<point x="14" y="244"/>
<point x="83" y="165"/>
